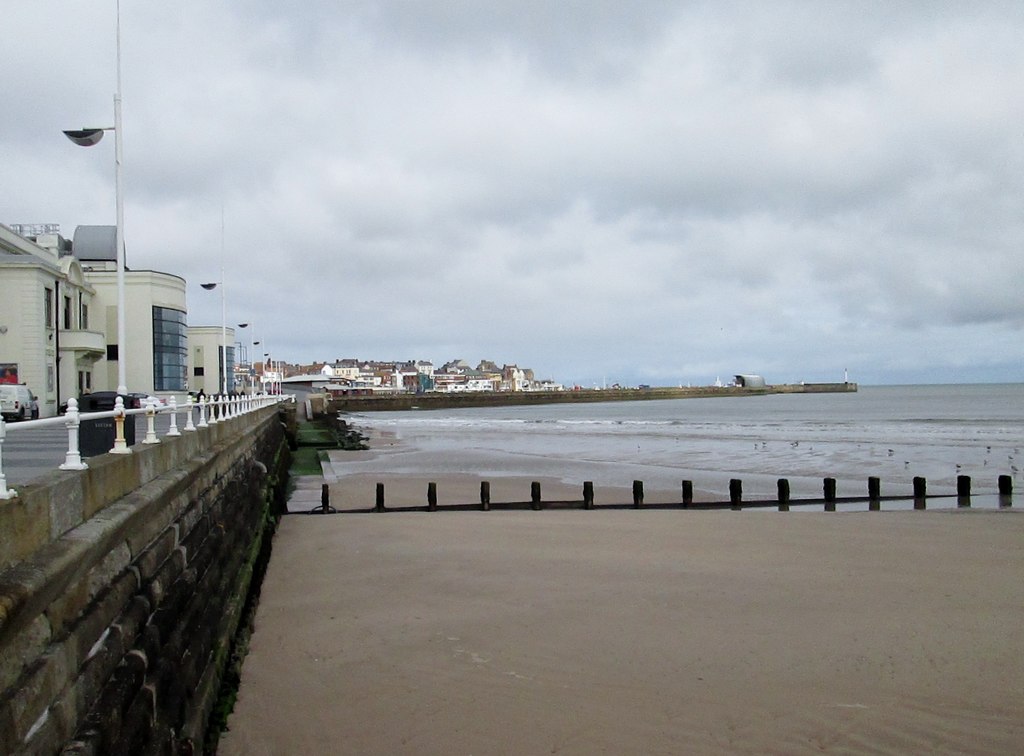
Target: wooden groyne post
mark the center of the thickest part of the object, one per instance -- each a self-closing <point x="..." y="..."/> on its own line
<point x="736" y="493"/>
<point x="431" y="497"/>
<point x="783" y="486"/>
<point x="687" y="493"/>
<point x="535" y="495"/>
<point x="588" y="494"/>
<point x="485" y="495"/>
<point x="829" y="492"/>
<point x="1005" y="491"/>
<point x="638" y="493"/>
<point x="963" y="490"/>
<point x="380" y="498"/>
<point x="874" y="494"/>
<point x="920" y="492"/>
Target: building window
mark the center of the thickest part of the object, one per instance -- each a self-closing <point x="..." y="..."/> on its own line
<point x="230" y="368"/>
<point x="66" y="315"/>
<point x="198" y="372"/>
<point x="170" y="349"/>
<point x="48" y="308"/>
<point x="83" y="314"/>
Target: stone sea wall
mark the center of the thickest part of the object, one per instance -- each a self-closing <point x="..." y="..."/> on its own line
<point x="122" y="586"/>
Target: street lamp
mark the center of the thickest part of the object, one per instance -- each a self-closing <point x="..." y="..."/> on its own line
<point x="249" y="371"/>
<point x="223" y="329"/>
<point x="88" y="138"/>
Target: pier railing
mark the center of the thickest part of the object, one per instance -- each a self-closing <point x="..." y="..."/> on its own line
<point x="194" y="415"/>
<point x="783" y="501"/>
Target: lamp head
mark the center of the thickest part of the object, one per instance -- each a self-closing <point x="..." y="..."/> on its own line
<point x="209" y="286"/>
<point x="85" y="137"/>
<point x="243" y="325"/>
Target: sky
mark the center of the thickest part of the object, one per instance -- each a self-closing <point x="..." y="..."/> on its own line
<point x="633" y="192"/>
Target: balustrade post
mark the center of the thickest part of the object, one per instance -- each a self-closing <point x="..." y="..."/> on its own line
<point x="73" y="422"/>
<point x="151" y="421"/>
<point x="5" y="492"/>
<point x="173" y="430"/>
<point x="190" y="405"/>
<point x="202" y="412"/>
<point x="212" y="419"/>
<point x="120" y="444"/>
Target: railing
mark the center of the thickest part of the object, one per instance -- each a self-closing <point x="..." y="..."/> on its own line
<point x="201" y="414"/>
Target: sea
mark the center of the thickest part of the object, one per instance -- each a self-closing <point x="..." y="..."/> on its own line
<point x="895" y="433"/>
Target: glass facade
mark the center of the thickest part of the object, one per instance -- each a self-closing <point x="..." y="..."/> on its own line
<point x="170" y="349"/>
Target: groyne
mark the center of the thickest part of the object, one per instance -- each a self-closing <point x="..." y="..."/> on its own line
<point x="429" y="401"/>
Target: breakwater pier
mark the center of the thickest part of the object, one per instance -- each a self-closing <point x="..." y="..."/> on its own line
<point x="356" y="402"/>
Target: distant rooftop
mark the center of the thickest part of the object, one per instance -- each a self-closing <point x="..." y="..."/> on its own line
<point x="95" y="243"/>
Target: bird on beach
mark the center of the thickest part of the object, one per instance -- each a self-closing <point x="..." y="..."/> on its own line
<point x="891" y="452"/>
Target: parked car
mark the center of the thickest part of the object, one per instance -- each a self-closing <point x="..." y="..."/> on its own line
<point x="103" y="401"/>
<point x="17" y="402"/>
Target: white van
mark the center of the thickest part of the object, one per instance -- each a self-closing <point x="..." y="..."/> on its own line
<point x="17" y="402"/>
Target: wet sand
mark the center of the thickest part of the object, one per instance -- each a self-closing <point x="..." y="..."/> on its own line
<point x="638" y="632"/>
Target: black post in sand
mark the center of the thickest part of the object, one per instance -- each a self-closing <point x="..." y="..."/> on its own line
<point x="638" y="493"/>
<point x="874" y="494"/>
<point x="380" y="497"/>
<point x="485" y="495"/>
<point x="783" y="486"/>
<point x="431" y="497"/>
<point x="963" y="490"/>
<point x="829" y="490"/>
<point x="736" y="492"/>
<point x="687" y="493"/>
<point x="535" y="494"/>
<point x="1005" y="491"/>
<point x="920" y="492"/>
<point x="588" y="494"/>
<point x="325" y="498"/>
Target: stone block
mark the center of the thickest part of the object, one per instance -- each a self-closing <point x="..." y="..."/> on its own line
<point x="153" y="556"/>
<point x="22" y="650"/>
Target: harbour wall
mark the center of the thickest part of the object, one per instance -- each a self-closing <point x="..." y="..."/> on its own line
<point x="122" y="586"/>
<point x="429" y="401"/>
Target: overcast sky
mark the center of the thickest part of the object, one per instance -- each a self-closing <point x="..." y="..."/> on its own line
<point x="649" y="192"/>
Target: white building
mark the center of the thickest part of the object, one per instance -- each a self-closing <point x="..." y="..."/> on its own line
<point x="58" y="317"/>
<point x="206" y="359"/>
<point x="155" y="318"/>
<point x="50" y="339"/>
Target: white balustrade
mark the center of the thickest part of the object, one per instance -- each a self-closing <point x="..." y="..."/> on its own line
<point x="220" y="408"/>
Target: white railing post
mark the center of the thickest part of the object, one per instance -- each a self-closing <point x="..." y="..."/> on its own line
<point x="73" y="459"/>
<point x="212" y="419"/>
<point x="202" y="412"/>
<point x="5" y="492"/>
<point x="189" y="425"/>
<point x="120" y="445"/>
<point x="173" y="430"/>
<point x="151" y="421"/>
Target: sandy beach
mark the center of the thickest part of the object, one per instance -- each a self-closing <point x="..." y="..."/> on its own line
<point x="638" y="632"/>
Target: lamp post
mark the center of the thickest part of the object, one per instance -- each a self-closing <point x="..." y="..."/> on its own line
<point x="223" y="330"/>
<point x="252" y="365"/>
<point x="88" y="138"/>
<point x="249" y="372"/>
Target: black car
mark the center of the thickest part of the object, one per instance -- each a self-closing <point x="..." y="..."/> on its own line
<point x="103" y="401"/>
